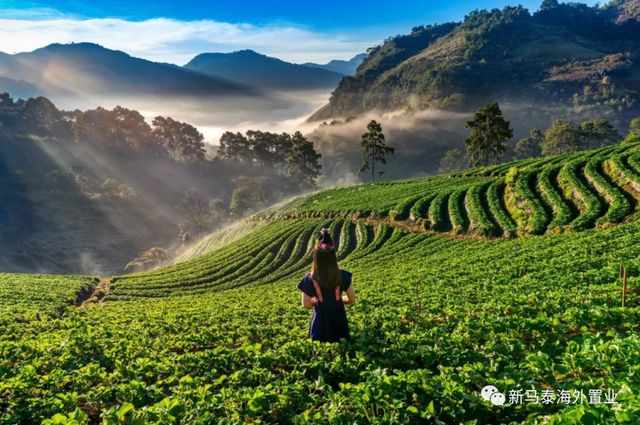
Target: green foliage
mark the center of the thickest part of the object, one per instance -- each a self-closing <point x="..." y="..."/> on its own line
<point x="562" y="214"/>
<point x="549" y="312"/>
<point x="620" y="208"/>
<point x="292" y="156"/>
<point x="599" y="133"/>
<point x="479" y="222"/>
<point x="535" y="219"/>
<point x="402" y="211"/>
<point x="452" y="161"/>
<point x="499" y="211"/>
<point x="489" y="132"/>
<point x="437" y="318"/>
<point x="512" y="175"/>
<point x="302" y="162"/>
<point x="374" y="148"/>
<point x="561" y="138"/>
<point x="457" y="213"/>
<point x="27" y="298"/>
<point x="590" y="206"/>
<point x="530" y="147"/>
<point x="503" y="54"/>
<point x="247" y="197"/>
<point x="438" y="216"/>
<point x="178" y="139"/>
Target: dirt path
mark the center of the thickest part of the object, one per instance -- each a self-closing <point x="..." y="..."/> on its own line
<point x="101" y="290"/>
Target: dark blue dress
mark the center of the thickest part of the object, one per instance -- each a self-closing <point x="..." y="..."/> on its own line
<point x="329" y="321"/>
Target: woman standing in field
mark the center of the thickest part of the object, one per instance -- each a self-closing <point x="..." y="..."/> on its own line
<point x="322" y="290"/>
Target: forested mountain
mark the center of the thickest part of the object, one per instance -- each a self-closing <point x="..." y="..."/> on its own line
<point x="249" y="67"/>
<point x="566" y="59"/>
<point x="343" y="67"/>
<point x="85" y="69"/>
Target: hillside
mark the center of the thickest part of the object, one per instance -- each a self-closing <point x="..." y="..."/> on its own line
<point x="85" y="69"/>
<point x="342" y="67"/>
<point x="19" y="88"/>
<point x="567" y="60"/>
<point x="249" y="67"/>
<point x="508" y="276"/>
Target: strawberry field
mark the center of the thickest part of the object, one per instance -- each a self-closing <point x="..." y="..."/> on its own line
<point x="488" y="277"/>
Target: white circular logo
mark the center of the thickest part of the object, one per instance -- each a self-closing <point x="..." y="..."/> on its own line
<point x="497" y="399"/>
<point x="491" y="393"/>
<point x="488" y="391"/>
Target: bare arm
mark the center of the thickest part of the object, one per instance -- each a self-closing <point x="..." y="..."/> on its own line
<point x="350" y="298"/>
<point x="306" y="301"/>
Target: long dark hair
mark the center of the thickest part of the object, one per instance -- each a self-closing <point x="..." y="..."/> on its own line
<point x="325" y="269"/>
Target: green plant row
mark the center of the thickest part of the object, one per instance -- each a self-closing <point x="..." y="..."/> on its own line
<point x="420" y="209"/>
<point x="620" y="206"/>
<point x="347" y="240"/>
<point x="203" y="280"/>
<point x="457" y="214"/>
<point x="562" y="214"/>
<point x="623" y="174"/>
<point x="494" y="199"/>
<point x="536" y="219"/>
<point x="480" y="222"/>
<point x="438" y="211"/>
<point x="243" y="353"/>
<point x="591" y="206"/>
<point x="403" y="210"/>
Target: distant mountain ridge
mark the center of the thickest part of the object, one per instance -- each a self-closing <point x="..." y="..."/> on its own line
<point x="18" y="88"/>
<point x="566" y="57"/>
<point x="80" y="69"/>
<point x="255" y="69"/>
<point x="343" y="67"/>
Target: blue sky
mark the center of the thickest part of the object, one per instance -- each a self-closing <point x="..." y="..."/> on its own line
<point x="173" y="31"/>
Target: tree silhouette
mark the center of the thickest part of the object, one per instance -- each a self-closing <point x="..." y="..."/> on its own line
<point x="302" y="162"/>
<point x="489" y="132"/>
<point x="374" y="148"/>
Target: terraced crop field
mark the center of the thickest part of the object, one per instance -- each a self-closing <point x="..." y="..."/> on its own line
<point x="507" y="276"/>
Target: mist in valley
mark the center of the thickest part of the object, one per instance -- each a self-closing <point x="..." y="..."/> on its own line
<point x="88" y="227"/>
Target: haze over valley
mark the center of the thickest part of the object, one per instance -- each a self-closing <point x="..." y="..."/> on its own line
<point x="114" y="124"/>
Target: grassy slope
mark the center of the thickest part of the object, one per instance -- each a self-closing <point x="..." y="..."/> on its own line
<point x="437" y="319"/>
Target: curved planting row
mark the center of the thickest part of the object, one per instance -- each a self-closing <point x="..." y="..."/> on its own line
<point x="348" y="240"/>
<point x="420" y="209"/>
<point x="495" y="199"/>
<point x="457" y="212"/>
<point x="587" y="202"/>
<point x="438" y="215"/>
<point x="364" y="236"/>
<point x="480" y="223"/>
<point x="619" y="206"/>
<point x="562" y="214"/>
<point x="523" y="204"/>
<point x="382" y="233"/>
<point x="634" y="162"/>
<point x="623" y="176"/>
<point x="277" y="241"/>
<point x="402" y="211"/>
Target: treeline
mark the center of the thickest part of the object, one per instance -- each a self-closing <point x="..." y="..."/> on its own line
<point x="490" y="132"/>
<point x="290" y="155"/>
<point x="119" y="129"/>
<point x="162" y="168"/>
<point x="563" y="137"/>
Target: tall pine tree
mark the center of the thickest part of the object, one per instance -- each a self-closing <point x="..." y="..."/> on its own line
<point x="374" y="148"/>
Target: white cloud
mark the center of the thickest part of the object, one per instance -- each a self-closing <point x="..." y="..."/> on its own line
<point x="169" y="40"/>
